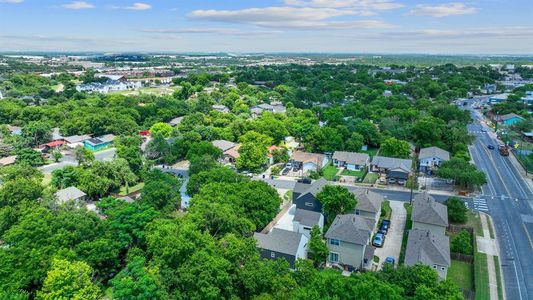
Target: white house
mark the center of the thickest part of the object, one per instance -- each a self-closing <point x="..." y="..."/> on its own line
<point x="352" y="161"/>
<point x="430" y="158"/>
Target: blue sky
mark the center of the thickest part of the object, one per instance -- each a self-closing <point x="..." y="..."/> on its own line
<point x="348" y="26"/>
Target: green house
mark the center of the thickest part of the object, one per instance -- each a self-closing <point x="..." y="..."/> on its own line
<point x="99" y="143"/>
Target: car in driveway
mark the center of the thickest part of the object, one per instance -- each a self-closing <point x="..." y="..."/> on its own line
<point x="389" y="260"/>
<point x="490" y="146"/>
<point x="285" y="171"/>
<point x="391" y="180"/>
<point x="379" y="240"/>
<point x="384" y="227"/>
<point x="401" y="181"/>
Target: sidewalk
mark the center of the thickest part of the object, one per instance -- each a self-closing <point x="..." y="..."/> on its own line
<point x="527" y="178"/>
<point x="489" y="246"/>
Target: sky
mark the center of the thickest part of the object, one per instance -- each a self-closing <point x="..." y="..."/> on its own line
<point x="340" y="26"/>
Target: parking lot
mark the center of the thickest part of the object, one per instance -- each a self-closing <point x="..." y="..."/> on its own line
<point x="393" y="239"/>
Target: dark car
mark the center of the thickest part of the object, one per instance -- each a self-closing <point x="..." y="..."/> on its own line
<point x="384" y="227"/>
<point x="389" y="260"/>
<point x="491" y="147"/>
<point x="285" y="171"/>
<point x="378" y="240"/>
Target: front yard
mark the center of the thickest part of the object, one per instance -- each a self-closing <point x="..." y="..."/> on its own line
<point x="329" y="172"/>
<point x="462" y="274"/>
<point x="358" y="174"/>
<point x="371" y="178"/>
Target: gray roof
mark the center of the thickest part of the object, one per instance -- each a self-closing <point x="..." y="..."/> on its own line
<point x="101" y="139"/>
<point x="510" y="116"/>
<point x="434" y="152"/>
<point x="313" y="188"/>
<point x="223" y="144"/>
<point x="307" y="217"/>
<point x="175" y="121"/>
<point x="392" y="163"/>
<point x="305" y="157"/>
<point x="353" y="158"/>
<point x="428" y="248"/>
<point x="427" y="210"/>
<point x="351" y="228"/>
<point x="70" y="193"/>
<point x="77" y="138"/>
<point x="279" y="240"/>
<point x="368" y="201"/>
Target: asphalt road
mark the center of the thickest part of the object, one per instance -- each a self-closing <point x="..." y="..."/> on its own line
<point x="509" y="200"/>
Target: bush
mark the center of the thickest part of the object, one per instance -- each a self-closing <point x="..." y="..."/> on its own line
<point x="456" y="210"/>
<point x="275" y="170"/>
<point x="462" y="243"/>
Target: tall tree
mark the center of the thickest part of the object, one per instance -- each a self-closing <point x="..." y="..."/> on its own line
<point x="336" y="200"/>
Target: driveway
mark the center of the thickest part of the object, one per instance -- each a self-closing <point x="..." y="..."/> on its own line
<point x="393" y="240"/>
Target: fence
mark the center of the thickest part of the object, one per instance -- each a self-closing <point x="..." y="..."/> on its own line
<point x="282" y="212"/>
<point x="462" y="257"/>
<point x="458" y="228"/>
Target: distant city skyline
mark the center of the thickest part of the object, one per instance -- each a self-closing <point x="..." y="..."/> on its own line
<point x="341" y="26"/>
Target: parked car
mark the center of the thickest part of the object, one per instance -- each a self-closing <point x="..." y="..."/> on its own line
<point x="384" y="227"/>
<point x="391" y="180"/>
<point x="389" y="260"/>
<point x="288" y="165"/>
<point x="378" y="240"/>
<point x="401" y="181"/>
<point x="285" y="171"/>
<point x="490" y="146"/>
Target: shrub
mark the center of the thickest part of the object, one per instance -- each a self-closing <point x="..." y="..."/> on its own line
<point x="462" y="243"/>
<point x="456" y="210"/>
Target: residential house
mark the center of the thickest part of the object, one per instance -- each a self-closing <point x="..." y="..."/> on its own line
<point x="70" y="194"/>
<point x="46" y="148"/>
<point x="285" y="244"/>
<point x="490" y="88"/>
<point x="273" y="107"/>
<point x="528" y="136"/>
<point x="304" y="220"/>
<point x="175" y="122"/>
<point x="7" y="161"/>
<point x="509" y="119"/>
<point x="220" y="108"/>
<point x="528" y="99"/>
<point x="428" y="214"/>
<point x="430" y="159"/>
<point x="428" y="248"/>
<point x="230" y="150"/>
<point x="368" y="204"/>
<point x="348" y="239"/>
<point x="387" y="93"/>
<point x="291" y="144"/>
<point x="304" y="195"/>
<point x="270" y="154"/>
<point x="308" y="161"/>
<point x="99" y="143"/>
<point x="352" y="161"/>
<point x="498" y="98"/>
<point x="393" y="167"/>
<point x="109" y="86"/>
<point x="14" y="130"/>
<point x="74" y="141"/>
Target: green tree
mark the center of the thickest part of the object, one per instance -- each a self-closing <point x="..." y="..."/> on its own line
<point x="69" y="280"/>
<point x="37" y="132"/>
<point x="462" y="243"/>
<point x="393" y="147"/>
<point x="462" y="172"/>
<point x="336" y="200"/>
<point x="253" y="151"/>
<point x="220" y="174"/>
<point x="355" y="143"/>
<point x="164" y="129"/>
<point x="83" y="155"/>
<point x="57" y="155"/>
<point x="457" y="211"/>
<point x="318" y="251"/>
<point x="30" y="157"/>
<point x="138" y="281"/>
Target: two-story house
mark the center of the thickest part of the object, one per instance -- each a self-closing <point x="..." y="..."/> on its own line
<point x="430" y="159"/>
<point x="282" y="244"/>
<point x="393" y="167"/>
<point x="428" y="214"/>
<point x="304" y="220"/>
<point x="428" y="248"/>
<point x="348" y="241"/>
<point x="304" y="195"/>
<point x="368" y="204"/>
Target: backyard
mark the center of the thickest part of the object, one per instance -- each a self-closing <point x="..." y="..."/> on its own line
<point x="462" y="274"/>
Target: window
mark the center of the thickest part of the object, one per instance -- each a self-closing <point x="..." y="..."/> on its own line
<point x="334" y="242"/>
<point x="272" y="254"/>
<point x="307" y="228"/>
<point x="434" y="266"/>
<point x="442" y="268"/>
<point x="357" y="212"/>
<point x="310" y="204"/>
<point x="334" y="257"/>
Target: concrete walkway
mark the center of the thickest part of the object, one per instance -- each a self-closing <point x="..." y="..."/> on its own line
<point x="393" y="239"/>
<point x="489" y="246"/>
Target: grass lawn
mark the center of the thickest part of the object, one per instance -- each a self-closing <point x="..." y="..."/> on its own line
<point x="358" y="174"/>
<point x="329" y="172"/>
<point x="481" y="276"/>
<point x="474" y="221"/>
<point x="132" y="189"/>
<point x="498" y="277"/>
<point x="371" y="178"/>
<point x="462" y="274"/>
<point x="371" y="151"/>
<point x="288" y="196"/>
<point x="408" y="226"/>
<point x="386" y="211"/>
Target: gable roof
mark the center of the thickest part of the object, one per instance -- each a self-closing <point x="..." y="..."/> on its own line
<point x="392" y="163"/>
<point x="510" y="116"/>
<point x="307" y="217"/>
<point x="77" y="138"/>
<point x="305" y="157"/>
<point x="223" y="144"/>
<point x="368" y="201"/>
<point x="434" y="152"/>
<point x="70" y="193"/>
<point x="428" y="248"/>
<point x="279" y="240"/>
<point x="353" y="158"/>
<point x="314" y="188"/>
<point x="427" y="210"/>
<point x="351" y="228"/>
<point x="9" y="160"/>
<point x="175" y="121"/>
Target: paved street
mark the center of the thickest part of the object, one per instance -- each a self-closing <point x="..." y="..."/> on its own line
<point x="508" y="199"/>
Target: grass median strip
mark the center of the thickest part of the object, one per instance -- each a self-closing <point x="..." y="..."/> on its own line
<point x="498" y="277"/>
<point x="481" y="273"/>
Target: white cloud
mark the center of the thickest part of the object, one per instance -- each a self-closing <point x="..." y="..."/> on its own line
<point x="352" y="4"/>
<point x="442" y="10"/>
<point x="139" y="6"/>
<point x="78" y="5"/>
<point x="287" y="17"/>
<point x="209" y="30"/>
<point x="11" y="1"/>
